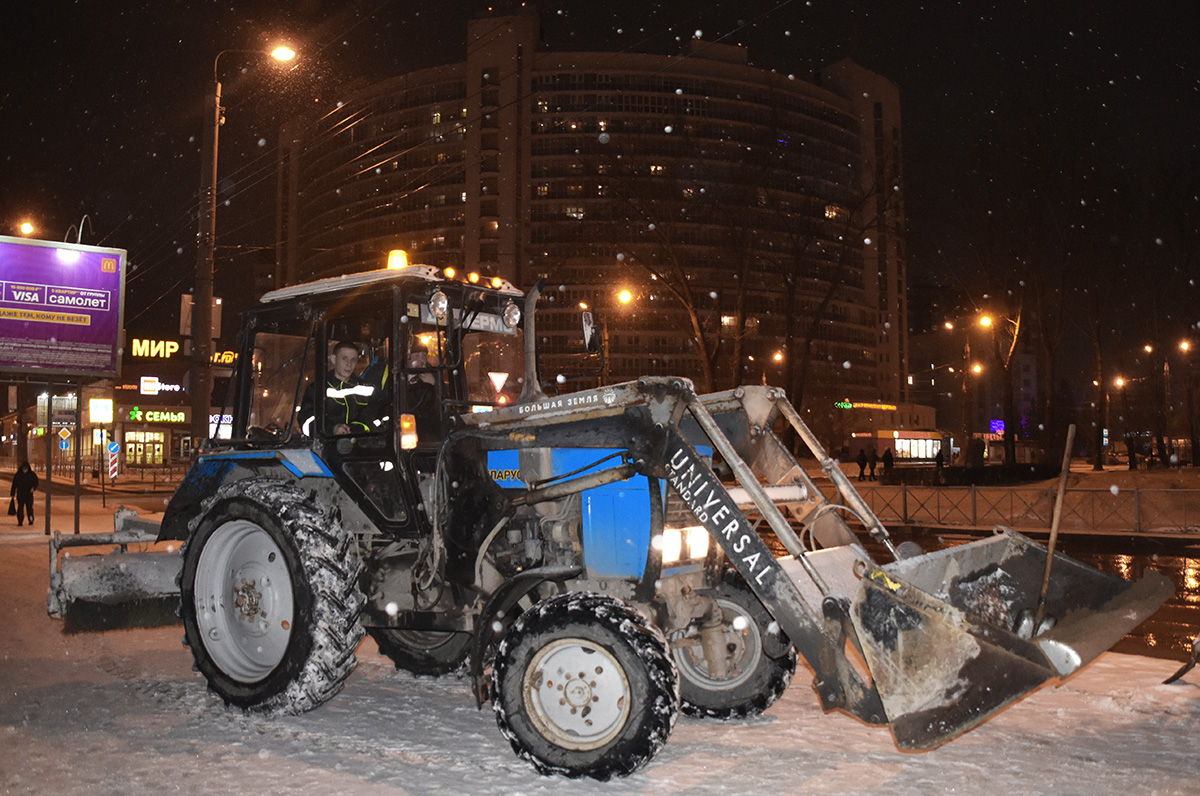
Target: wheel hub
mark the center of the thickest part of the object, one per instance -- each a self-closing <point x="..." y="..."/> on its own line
<point x="577" y="694"/>
<point x="735" y="642"/>
<point x="247" y="600"/>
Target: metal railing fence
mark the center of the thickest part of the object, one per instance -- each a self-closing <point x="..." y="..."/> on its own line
<point x="1140" y="511"/>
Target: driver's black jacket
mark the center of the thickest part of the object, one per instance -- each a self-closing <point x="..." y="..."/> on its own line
<point x="353" y="402"/>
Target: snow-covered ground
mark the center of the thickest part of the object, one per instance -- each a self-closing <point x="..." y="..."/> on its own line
<point x="122" y="713"/>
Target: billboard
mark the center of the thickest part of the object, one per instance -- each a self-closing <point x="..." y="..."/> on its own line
<point x="61" y="308"/>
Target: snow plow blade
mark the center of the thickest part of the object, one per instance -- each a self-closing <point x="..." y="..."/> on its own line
<point x="949" y="636"/>
<point x="118" y="590"/>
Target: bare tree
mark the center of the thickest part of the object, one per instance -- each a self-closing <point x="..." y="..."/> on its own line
<point x="1006" y="336"/>
<point x="818" y="256"/>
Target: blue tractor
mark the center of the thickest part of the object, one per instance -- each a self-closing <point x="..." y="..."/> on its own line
<point x="393" y="467"/>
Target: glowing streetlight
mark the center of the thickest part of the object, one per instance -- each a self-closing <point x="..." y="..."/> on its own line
<point x="1193" y="438"/>
<point x="27" y="228"/>
<point x="202" y="297"/>
<point x="969" y="369"/>
<point x="624" y="296"/>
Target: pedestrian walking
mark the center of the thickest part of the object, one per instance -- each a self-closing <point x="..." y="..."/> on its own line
<point x="888" y="461"/>
<point x="24" y="482"/>
<point x="862" y="463"/>
<point x="872" y="459"/>
<point x="938" y="462"/>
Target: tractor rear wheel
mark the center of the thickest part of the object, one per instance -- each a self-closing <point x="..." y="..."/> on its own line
<point x="431" y="652"/>
<point x="584" y="686"/>
<point x="269" y="597"/>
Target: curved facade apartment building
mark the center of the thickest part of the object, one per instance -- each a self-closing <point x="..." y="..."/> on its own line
<point x="734" y="205"/>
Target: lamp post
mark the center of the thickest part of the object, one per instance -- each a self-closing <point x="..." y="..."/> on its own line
<point x="1190" y="399"/>
<point x="1161" y="394"/>
<point x="202" y="295"/>
<point x="969" y="369"/>
<point x="1127" y="428"/>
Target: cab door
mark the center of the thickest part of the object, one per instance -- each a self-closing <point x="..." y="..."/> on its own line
<point x="365" y="461"/>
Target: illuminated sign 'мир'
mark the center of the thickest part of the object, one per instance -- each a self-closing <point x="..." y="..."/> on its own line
<point x="162" y="349"/>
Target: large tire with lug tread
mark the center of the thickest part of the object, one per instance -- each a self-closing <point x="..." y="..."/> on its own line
<point x="429" y="652"/>
<point x="269" y="597"/>
<point x="759" y="663"/>
<point x="584" y="686"/>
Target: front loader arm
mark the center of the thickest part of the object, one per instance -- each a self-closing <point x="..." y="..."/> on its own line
<point x="819" y="639"/>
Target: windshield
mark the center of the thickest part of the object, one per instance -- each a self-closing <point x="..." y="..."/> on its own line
<point x="494" y="365"/>
<point x="280" y="362"/>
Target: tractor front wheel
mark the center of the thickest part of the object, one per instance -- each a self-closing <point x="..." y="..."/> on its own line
<point x="584" y="686"/>
<point x="757" y="660"/>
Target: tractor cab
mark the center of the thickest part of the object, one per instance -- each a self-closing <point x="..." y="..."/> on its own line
<point x="367" y="373"/>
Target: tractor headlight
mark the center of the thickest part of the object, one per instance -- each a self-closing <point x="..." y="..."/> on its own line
<point x="438" y="304"/>
<point x="512" y="315"/>
<point x="684" y="544"/>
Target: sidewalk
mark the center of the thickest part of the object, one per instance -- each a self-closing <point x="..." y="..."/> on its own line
<point x="95" y="509"/>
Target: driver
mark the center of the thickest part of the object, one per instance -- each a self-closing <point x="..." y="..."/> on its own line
<point x="348" y="398"/>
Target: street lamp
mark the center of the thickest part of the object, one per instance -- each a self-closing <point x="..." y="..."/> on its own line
<point x="1185" y="346"/>
<point x="969" y="369"/>
<point x="1162" y="399"/>
<point x="1127" y="429"/>
<point x="202" y="298"/>
<point x="27" y="228"/>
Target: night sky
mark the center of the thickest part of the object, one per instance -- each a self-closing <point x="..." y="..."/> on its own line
<point x="1030" y="127"/>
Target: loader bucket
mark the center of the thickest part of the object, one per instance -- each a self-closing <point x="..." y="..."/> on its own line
<point x="949" y="638"/>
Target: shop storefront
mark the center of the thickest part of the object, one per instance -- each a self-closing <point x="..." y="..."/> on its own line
<point x="150" y="435"/>
<point x="147" y="414"/>
<point x="153" y="409"/>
